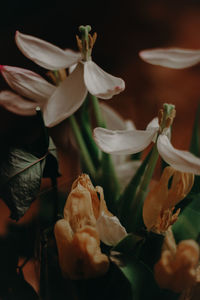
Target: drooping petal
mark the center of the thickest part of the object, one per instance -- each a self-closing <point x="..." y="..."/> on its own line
<point x="109" y="229"/>
<point x="66" y="99"/>
<point x="180" y="160"/>
<point x="101" y="84"/>
<point x="45" y="54"/>
<point x="27" y="83"/>
<point x="174" y="58"/>
<point x="122" y="141"/>
<point x="16" y="104"/>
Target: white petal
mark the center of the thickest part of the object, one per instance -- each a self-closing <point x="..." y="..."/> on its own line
<point x="122" y="141"/>
<point x="67" y="98"/>
<point x="112" y="119"/>
<point x="130" y="124"/>
<point x="27" y="83"/>
<point x="171" y="57"/>
<point x="153" y="124"/>
<point x="126" y="170"/>
<point x="45" y="54"/>
<point x="109" y="229"/>
<point x="180" y="160"/>
<point x="101" y="84"/>
<point x="17" y="104"/>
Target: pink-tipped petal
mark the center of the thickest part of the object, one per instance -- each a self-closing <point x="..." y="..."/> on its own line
<point x="27" y="83"/>
<point x="16" y="104"/>
<point x="180" y="160"/>
<point x="101" y="84"/>
<point x="174" y="58"/>
<point x="45" y="54"/>
<point x="67" y="98"/>
<point x="122" y="141"/>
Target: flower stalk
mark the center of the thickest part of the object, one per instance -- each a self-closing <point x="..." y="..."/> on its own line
<point x="84" y="151"/>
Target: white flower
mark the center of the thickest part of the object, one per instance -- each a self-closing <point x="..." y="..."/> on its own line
<point x="174" y="58"/>
<point x="133" y="141"/>
<point x="125" y="167"/>
<point x="62" y="101"/>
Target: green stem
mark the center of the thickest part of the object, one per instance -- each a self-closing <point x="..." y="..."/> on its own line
<point x="135" y="216"/>
<point x="84" y="151"/>
<point x="97" y="112"/>
<point x="150" y="168"/>
<point x="109" y="178"/>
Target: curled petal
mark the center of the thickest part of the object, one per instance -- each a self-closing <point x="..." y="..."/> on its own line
<point x="123" y="141"/>
<point x="66" y="99"/>
<point x="109" y="229"/>
<point x="101" y="84"/>
<point x="27" y="83"/>
<point x="45" y="54"/>
<point x="174" y="58"/>
<point x="180" y="160"/>
<point x="17" y="104"/>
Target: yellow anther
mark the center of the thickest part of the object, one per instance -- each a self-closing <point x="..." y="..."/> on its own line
<point x="79" y="43"/>
<point x="52" y="77"/>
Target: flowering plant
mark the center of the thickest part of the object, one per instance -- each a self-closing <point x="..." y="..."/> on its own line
<point x="117" y="224"/>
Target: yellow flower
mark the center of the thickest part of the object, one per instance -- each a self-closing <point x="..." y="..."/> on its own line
<point x="78" y="234"/>
<point x="161" y="200"/>
<point x="178" y="271"/>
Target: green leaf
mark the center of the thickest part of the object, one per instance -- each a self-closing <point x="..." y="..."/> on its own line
<point x="127" y="198"/>
<point x="131" y="242"/>
<point x="140" y="277"/>
<point x="195" y="143"/>
<point x="151" y="248"/>
<point x="188" y="224"/>
<point x="20" y="178"/>
<point x="108" y="180"/>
